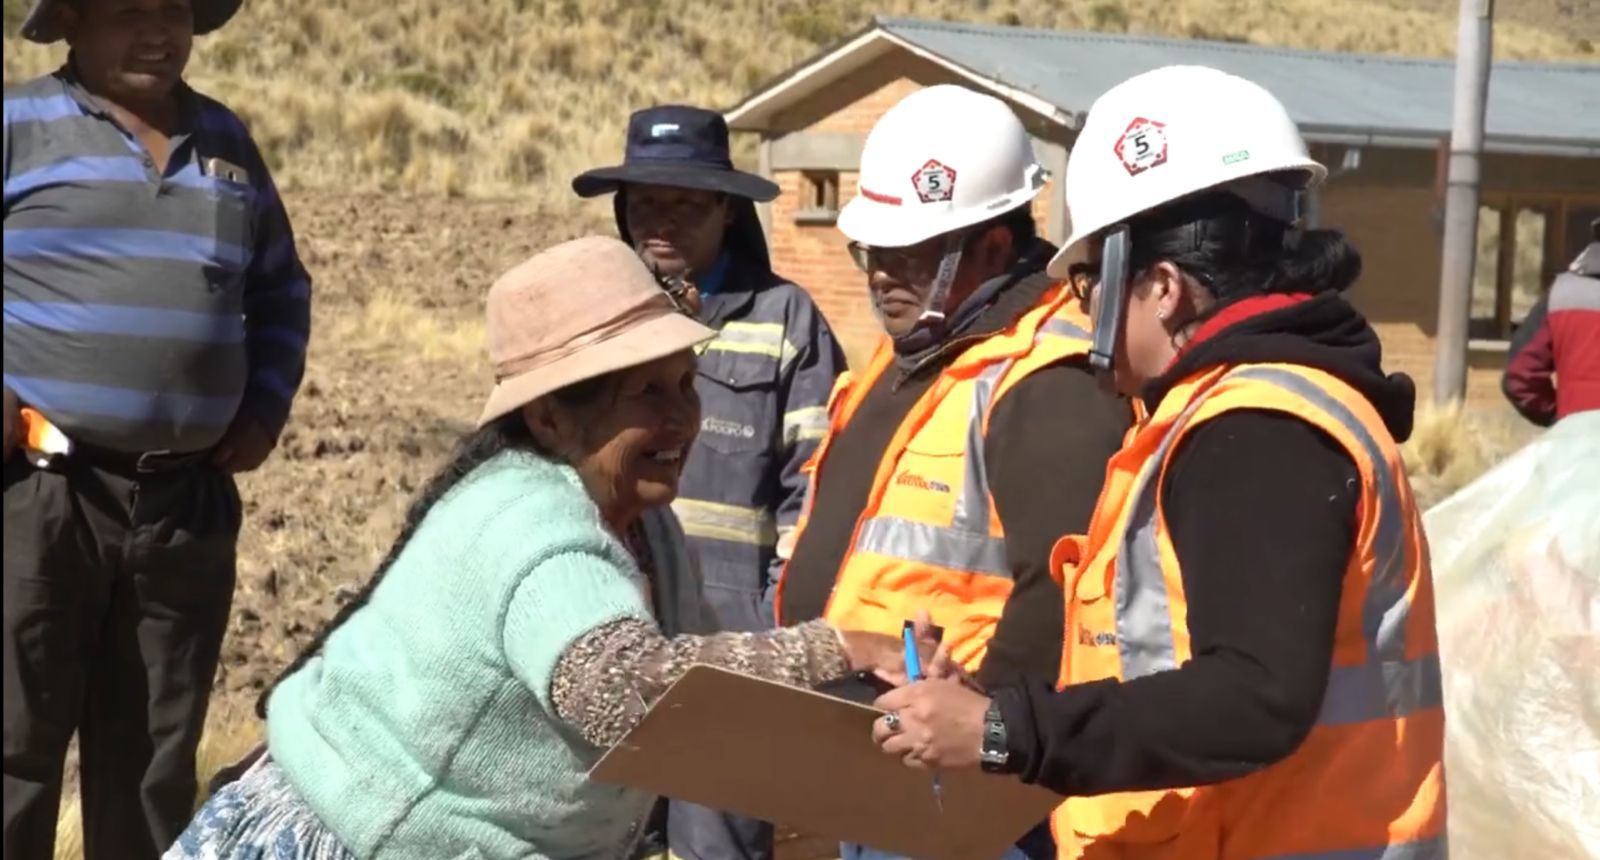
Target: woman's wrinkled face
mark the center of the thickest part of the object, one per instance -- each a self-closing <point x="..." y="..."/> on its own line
<point x="630" y="444"/>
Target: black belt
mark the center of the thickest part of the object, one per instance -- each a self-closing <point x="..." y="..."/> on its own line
<point x="137" y="462"/>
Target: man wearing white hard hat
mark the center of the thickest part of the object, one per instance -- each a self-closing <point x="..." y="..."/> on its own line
<point x="1251" y="668"/>
<point x="976" y="435"/>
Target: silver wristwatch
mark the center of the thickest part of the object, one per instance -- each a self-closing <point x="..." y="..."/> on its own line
<point x="995" y="752"/>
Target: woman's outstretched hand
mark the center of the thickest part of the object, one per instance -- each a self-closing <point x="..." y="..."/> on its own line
<point x="884" y="656"/>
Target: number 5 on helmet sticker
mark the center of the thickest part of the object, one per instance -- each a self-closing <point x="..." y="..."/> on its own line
<point x="934" y="182"/>
<point x="1142" y="146"/>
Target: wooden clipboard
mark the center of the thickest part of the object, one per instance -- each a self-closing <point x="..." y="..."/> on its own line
<point x="807" y="760"/>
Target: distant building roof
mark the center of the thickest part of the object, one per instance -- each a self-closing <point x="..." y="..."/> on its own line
<point x="1365" y="99"/>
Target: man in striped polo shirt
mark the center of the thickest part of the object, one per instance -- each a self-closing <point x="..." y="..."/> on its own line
<point x="156" y="314"/>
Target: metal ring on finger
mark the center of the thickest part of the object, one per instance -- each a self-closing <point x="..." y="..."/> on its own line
<point x="891" y="721"/>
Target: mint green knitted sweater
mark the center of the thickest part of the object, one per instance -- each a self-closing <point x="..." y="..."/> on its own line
<point x="425" y="730"/>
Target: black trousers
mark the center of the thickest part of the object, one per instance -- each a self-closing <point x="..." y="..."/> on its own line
<point x="118" y="582"/>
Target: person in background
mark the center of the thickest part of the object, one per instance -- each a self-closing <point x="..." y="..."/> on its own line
<point x="1251" y="664"/>
<point x="976" y="433"/>
<point x="455" y="706"/>
<point x="1554" y="367"/>
<point x="763" y="385"/>
<point x="156" y="315"/>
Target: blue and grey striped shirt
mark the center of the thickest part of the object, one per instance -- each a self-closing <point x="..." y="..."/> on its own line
<point x="145" y="311"/>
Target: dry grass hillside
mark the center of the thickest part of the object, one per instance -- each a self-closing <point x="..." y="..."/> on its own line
<point x="514" y="96"/>
<point x="1580" y="17"/>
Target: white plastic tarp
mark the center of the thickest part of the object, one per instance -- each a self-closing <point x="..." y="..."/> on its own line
<point x="1516" y="562"/>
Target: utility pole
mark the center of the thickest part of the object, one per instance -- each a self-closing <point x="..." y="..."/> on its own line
<point x="1473" y="49"/>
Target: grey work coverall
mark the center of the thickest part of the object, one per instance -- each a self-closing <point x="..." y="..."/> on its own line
<point x="763" y="384"/>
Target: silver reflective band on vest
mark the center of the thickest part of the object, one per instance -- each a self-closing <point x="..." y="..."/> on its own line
<point x="1064" y="328"/>
<point x="1388" y="685"/>
<point x="966" y="543"/>
<point x="929" y="544"/>
<point x="1436" y="848"/>
<point x="1383" y="613"/>
<point x="1143" y="611"/>
<point x="1381" y="690"/>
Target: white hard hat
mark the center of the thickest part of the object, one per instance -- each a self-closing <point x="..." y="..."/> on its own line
<point x="941" y="159"/>
<point x="1172" y="132"/>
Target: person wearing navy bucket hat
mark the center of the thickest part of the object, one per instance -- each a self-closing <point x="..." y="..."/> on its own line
<point x="763" y="385"/>
<point x="157" y="315"/>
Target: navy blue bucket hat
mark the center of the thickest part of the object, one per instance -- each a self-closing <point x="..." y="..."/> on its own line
<point x="678" y="146"/>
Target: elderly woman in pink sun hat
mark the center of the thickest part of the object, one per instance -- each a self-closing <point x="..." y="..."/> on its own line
<point x="454" y="707"/>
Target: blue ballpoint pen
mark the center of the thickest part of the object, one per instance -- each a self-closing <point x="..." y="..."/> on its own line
<point x="914" y="673"/>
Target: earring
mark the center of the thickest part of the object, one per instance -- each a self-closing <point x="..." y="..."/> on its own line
<point x="1161" y="315"/>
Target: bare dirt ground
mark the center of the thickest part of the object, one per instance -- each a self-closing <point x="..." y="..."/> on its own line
<point x="395" y="376"/>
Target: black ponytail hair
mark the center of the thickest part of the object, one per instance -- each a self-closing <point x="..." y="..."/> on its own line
<point x="1235" y="252"/>
<point x="506" y="433"/>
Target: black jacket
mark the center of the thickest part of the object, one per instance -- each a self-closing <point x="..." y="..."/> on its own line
<point x="1263" y="562"/>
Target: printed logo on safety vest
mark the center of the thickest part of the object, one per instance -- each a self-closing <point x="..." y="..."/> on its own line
<point x="1142" y="146"/>
<point x="724" y="427"/>
<point x="917" y="482"/>
<point x="935" y="183"/>
<point x="1096" y="640"/>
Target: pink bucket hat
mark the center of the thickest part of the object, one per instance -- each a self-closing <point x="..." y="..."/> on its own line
<point x="579" y="310"/>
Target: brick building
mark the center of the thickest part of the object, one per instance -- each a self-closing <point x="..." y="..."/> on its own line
<point x="1380" y="123"/>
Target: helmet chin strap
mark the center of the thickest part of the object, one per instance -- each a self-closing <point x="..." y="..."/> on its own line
<point x="929" y="328"/>
<point x="1112" y="304"/>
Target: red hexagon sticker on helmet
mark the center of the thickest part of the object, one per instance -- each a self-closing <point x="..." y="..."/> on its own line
<point x="934" y="182"/>
<point x="1142" y="146"/>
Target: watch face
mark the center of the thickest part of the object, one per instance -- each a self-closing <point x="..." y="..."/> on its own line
<point x="994" y="752"/>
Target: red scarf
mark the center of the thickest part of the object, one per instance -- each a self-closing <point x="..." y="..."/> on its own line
<point x="1240" y="311"/>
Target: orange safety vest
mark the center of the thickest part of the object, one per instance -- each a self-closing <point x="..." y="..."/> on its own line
<point x="1368" y="781"/>
<point x="929" y="537"/>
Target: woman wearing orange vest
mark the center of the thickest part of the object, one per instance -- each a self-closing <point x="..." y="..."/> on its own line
<point x="1250" y="667"/>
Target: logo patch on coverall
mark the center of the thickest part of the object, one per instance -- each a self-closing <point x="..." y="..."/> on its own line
<point x="725" y="427"/>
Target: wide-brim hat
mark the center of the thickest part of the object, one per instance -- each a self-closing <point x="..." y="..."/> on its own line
<point x="42" y="25"/>
<point x="679" y="146"/>
<point x="577" y="311"/>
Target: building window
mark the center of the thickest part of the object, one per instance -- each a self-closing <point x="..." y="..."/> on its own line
<point x="1523" y="243"/>
<point x="819" y="197"/>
